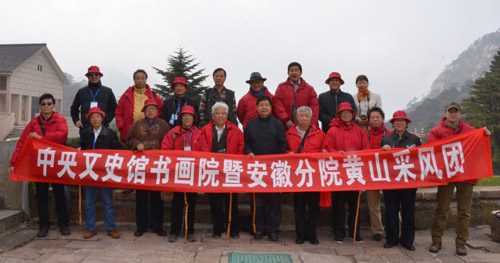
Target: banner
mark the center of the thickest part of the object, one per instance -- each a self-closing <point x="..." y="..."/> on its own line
<point x="462" y="157"/>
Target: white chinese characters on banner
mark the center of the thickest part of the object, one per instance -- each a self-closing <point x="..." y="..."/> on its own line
<point x="67" y="161"/>
<point x="137" y="169"/>
<point x="354" y="170"/>
<point x="453" y="158"/>
<point x="162" y="169"/>
<point x="329" y="171"/>
<point x="428" y="163"/>
<point x="232" y="170"/>
<point x="281" y="174"/>
<point x="46" y="157"/>
<point x="403" y="165"/>
<point x="207" y="172"/>
<point x="305" y="172"/>
<point x="379" y="177"/>
<point x="90" y="160"/>
<point x="184" y="171"/>
<point x="113" y="162"/>
<point x="257" y="171"/>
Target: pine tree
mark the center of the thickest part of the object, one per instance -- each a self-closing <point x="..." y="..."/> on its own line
<point x="182" y="65"/>
<point x="495" y="64"/>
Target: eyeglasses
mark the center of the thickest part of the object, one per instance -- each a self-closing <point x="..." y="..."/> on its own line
<point x="94" y="75"/>
<point x="46" y="104"/>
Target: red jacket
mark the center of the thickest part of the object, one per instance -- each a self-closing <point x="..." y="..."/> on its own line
<point x="197" y="141"/>
<point x="125" y="110"/>
<point x="56" y="130"/>
<point x="442" y="130"/>
<point x="375" y="135"/>
<point x="304" y="96"/>
<point x="347" y="138"/>
<point x="235" y="140"/>
<point x="315" y="140"/>
<point x="247" y="107"/>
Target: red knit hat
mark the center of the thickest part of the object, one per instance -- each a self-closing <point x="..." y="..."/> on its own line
<point x="400" y="115"/>
<point x="345" y="106"/>
<point x="180" y="80"/>
<point x="93" y="69"/>
<point x="95" y="110"/>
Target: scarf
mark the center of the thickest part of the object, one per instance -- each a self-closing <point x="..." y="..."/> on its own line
<point x="260" y="92"/>
<point x="363" y="94"/>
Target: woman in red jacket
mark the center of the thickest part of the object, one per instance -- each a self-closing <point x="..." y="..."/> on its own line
<point x="306" y="138"/>
<point x="345" y="136"/>
<point x="223" y="136"/>
<point x="184" y="137"/>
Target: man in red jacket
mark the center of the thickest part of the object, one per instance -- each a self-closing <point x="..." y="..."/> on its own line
<point x="52" y="127"/>
<point x="292" y="94"/>
<point x="129" y="109"/>
<point x="247" y="106"/>
<point x="451" y="125"/>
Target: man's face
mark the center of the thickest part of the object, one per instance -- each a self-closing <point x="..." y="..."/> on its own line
<point x="151" y="112"/>
<point x="257" y="85"/>
<point x="346" y="116"/>
<point x="140" y="80"/>
<point x="219" y="78"/>
<point x="399" y="125"/>
<point x="179" y="90"/>
<point x="264" y="109"/>
<point x="219" y="116"/>
<point x="294" y="74"/>
<point x="94" y="77"/>
<point x="453" y="115"/>
<point x="95" y="120"/>
<point x="334" y="84"/>
<point x="187" y="120"/>
<point x="375" y="119"/>
<point x="304" y="119"/>
<point x="47" y="106"/>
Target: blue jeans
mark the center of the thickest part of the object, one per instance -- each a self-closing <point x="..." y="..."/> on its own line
<point x="107" y="204"/>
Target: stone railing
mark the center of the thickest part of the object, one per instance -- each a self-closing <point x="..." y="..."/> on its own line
<point x="7" y="121"/>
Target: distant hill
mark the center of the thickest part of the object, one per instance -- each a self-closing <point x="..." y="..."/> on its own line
<point x="453" y="84"/>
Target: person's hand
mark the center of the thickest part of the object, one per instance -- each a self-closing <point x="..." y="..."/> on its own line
<point x="252" y="156"/>
<point x="79" y="124"/>
<point x="486" y="131"/>
<point x="341" y="152"/>
<point x="291" y="153"/>
<point x="140" y="147"/>
<point x="79" y="149"/>
<point x="34" y="134"/>
<point x="386" y="147"/>
<point x="324" y="151"/>
<point x="289" y="124"/>
<point x="11" y="170"/>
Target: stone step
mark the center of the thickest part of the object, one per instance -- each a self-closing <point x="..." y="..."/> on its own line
<point x="10" y="218"/>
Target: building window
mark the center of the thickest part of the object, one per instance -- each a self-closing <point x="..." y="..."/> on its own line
<point x="3" y="83"/>
<point x="39" y="67"/>
<point x="35" y="107"/>
<point x="24" y="108"/>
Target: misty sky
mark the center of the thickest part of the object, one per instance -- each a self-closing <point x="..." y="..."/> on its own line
<point x="401" y="46"/>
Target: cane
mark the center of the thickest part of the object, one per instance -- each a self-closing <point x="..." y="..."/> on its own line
<point x="356" y="221"/>
<point x="253" y="215"/>
<point x="80" y="203"/>
<point x="230" y="210"/>
<point x="185" y="217"/>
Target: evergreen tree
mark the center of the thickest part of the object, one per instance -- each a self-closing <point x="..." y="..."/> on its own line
<point x="495" y="64"/>
<point x="182" y="65"/>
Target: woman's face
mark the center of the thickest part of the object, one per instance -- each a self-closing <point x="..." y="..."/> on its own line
<point x="362" y="85"/>
<point x="346" y="116"/>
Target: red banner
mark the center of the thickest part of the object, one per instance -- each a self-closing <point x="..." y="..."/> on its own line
<point x="462" y="157"/>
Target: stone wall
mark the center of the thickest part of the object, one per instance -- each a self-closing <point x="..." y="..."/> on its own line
<point x="10" y="191"/>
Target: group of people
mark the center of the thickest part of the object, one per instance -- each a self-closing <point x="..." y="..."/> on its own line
<point x="286" y="122"/>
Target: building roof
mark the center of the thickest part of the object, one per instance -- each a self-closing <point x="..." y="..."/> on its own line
<point x="13" y="55"/>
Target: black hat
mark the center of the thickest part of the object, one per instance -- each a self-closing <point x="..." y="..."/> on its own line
<point x="255" y="76"/>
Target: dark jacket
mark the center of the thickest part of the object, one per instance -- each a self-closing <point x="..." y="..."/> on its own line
<point x="408" y="140"/>
<point x="150" y="136"/>
<point x="170" y="108"/>
<point x="105" y="99"/>
<point x="107" y="139"/>
<point x="265" y="136"/>
<point x="329" y="104"/>
<point x="210" y="97"/>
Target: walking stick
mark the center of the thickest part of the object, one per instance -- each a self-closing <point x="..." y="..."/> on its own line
<point x="230" y="210"/>
<point x="80" y="203"/>
<point x="185" y="217"/>
<point x="356" y="221"/>
<point x="253" y="215"/>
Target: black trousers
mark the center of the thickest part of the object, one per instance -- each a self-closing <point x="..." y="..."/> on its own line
<point x="268" y="212"/>
<point x="219" y="209"/>
<point x="339" y="199"/>
<point x="403" y="199"/>
<point x="306" y="222"/>
<point x="42" y="201"/>
<point x="148" y="214"/>
<point x="178" y="212"/>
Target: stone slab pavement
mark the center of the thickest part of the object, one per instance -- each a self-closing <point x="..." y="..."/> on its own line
<point x="20" y="245"/>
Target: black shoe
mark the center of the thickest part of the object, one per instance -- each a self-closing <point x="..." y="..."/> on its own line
<point x="258" y="235"/>
<point x="378" y="237"/>
<point x="139" y="233"/>
<point x="235" y="235"/>
<point x="44" y="230"/>
<point x="359" y="239"/>
<point x="190" y="238"/>
<point x="339" y="240"/>
<point x="172" y="238"/>
<point x="410" y="247"/>
<point x="299" y="241"/>
<point x="160" y="232"/>
<point x="64" y="230"/>
<point x="314" y="241"/>
<point x="274" y="237"/>
<point x="389" y="245"/>
<point x="216" y="235"/>
<point x="127" y="191"/>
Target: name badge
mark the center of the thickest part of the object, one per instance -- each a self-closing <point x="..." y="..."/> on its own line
<point x="93" y="104"/>
<point x="173" y="118"/>
<point x="187" y="148"/>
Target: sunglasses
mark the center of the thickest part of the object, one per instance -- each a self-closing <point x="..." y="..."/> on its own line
<point x="46" y="104"/>
<point x="94" y="75"/>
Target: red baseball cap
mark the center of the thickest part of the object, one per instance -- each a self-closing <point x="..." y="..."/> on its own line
<point x="93" y="69"/>
<point x="150" y="102"/>
<point x="187" y="109"/>
<point x="345" y="106"/>
<point x="334" y="75"/>
<point x="180" y="80"/>
<point x="95" y="110"/>
<point x="400" y="115"/>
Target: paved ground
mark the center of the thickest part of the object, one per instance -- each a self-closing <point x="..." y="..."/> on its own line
<point x="19" y="245"/>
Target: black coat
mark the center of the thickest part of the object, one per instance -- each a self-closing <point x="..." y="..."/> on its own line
<point x="408" y="140"/>
<point x="265" y="136"/>
<point x="329" y="104"/>
<point x="107" y="139"/>
<point x="170" y="108"/>
<point x="105" y="99"/>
